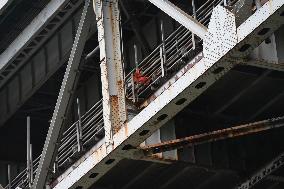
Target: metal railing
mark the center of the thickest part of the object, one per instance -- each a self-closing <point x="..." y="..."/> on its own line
<point x="178" y="50"/>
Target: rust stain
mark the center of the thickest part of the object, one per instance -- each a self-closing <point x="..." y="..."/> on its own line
<point x="215" y="135"/>
<point x="126" y="130"/>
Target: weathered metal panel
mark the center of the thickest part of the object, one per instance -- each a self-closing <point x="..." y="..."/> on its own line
<point x="66" y="34"/>
<point x="26" y="79"/>
<point x="39" y="63"/>
<point x="279" y="38"/>
<point x="3" y="104"/>
<point x="53" y="52"/>
<point x="14" y="94"/>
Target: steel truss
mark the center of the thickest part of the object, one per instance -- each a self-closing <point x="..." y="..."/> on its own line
<point x="191" y="82"/>
<point x="181" y="89"/>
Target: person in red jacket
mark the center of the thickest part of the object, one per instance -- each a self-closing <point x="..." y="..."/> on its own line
<point x="139" y="78"/>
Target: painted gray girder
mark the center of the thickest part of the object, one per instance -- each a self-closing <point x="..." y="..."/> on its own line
<point x="180" y="16"/>
<point x="34" y="36"/>
<point x="191" y="82"/>
<point x="35" y="71"/>
<point x="30" y="31"/>
<point x="64" y="99"/>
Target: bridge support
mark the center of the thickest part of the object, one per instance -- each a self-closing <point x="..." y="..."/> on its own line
<point x="64" y="99"/>
<point x="108" y="23"/>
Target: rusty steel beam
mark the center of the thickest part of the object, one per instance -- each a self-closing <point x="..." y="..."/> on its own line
<point x="109" y="37"/>
<point x="231" y="132"/>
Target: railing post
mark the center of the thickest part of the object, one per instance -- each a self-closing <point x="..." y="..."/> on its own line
<point x="163" y="51"/>
<point x="31" y="164"/>
<point x="28" y="152"/>
<point x="79" y="127"/>
<point x="162" y="61"/>
<point x="9" y="176"/>
<point x="134" y="96"/>
<point x="194" y="16"/>
<point x="55" y="165"/>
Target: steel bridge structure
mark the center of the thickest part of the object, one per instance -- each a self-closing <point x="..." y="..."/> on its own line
<point x="117" y="94"/>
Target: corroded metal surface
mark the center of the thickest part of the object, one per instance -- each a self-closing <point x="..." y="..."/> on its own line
<point x="164" y="107"/>
<point x="114" y="108"/>
<point x="231" y="132"/>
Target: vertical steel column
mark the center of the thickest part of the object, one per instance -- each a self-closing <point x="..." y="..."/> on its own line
<point x="108" y="23"/>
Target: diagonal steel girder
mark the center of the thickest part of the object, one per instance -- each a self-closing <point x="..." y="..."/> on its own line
<point x="263" y="173"/>
<point x="187" y="85"/>
<point x="64" y="99"/>
<point x="180" y="16"/>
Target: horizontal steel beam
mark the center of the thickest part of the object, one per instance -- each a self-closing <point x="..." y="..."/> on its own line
<point x="213" y="136"/>
<point x="180" y="16"/>
<point x="278" y="66"/>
